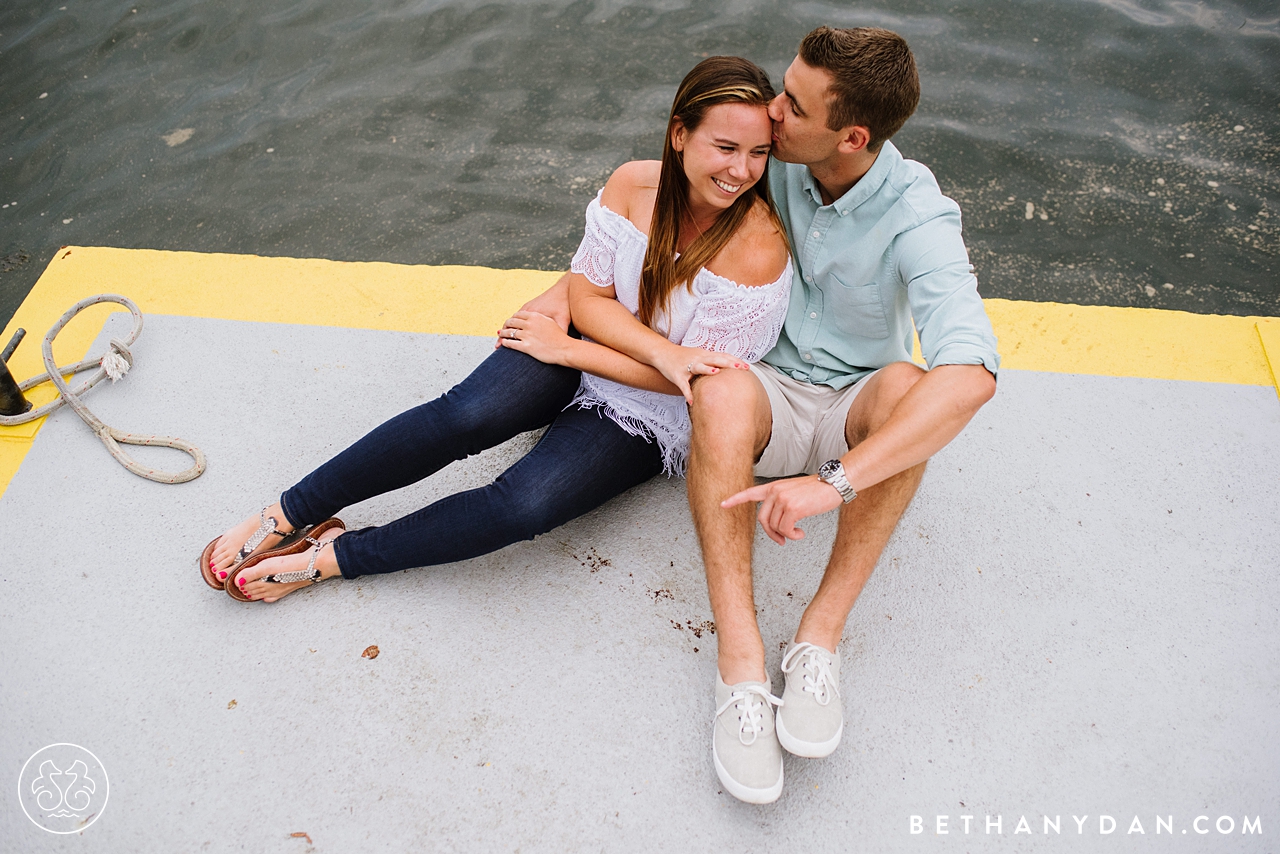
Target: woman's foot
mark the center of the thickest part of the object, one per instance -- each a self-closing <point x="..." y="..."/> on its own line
<point x="250" y="581"/>
<point x="222" y="559"/>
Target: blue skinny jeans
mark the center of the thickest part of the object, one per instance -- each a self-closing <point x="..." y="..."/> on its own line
<point x="582" y="461"/>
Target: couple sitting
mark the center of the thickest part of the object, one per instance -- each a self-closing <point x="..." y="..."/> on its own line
<point x="706" y="351"/>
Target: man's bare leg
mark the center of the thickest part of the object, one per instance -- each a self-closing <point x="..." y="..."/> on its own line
<point x="722" y="452"/>
<point x="866" y="523"/>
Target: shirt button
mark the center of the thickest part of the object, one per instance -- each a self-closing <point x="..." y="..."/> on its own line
<point x="807" y="357"/>
<point x="809" y="279"/>
<point x="817" y="234"/>
<point x="813" y="315"/>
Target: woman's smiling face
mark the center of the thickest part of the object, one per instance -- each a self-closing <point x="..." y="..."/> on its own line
<point x="725" y="155"/>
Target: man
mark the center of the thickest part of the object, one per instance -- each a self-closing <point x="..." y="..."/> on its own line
<point x="837" y="401"/>
<point x="876" y="245"/>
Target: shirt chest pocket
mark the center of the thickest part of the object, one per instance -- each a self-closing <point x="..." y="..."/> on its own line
<point x="858" y="309"/>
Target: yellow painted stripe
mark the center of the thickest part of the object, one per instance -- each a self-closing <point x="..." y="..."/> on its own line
<point x="1120" y="342"/>
<point x="1269" y="335"/>
<point x="11" y="456"/>
<point x="1129" y="342"/>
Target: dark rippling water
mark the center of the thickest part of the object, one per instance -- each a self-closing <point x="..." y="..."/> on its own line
<point x="1119" y="152"/>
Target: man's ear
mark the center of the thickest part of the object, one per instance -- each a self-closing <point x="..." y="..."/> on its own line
<point x="678" y="134"/>
<point x="856" y="138"/>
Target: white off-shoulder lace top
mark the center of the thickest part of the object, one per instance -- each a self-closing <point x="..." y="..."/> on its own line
<point x="718" y="315"/>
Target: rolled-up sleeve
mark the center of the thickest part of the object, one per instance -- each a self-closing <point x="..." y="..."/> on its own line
<point x="949" y="315"/>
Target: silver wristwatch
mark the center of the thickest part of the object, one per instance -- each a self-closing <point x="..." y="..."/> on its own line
<point x="833" y="473"/>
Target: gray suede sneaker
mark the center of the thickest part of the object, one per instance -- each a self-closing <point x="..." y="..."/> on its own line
<point x="811" y="720"/>
<point x="744" y="746"/>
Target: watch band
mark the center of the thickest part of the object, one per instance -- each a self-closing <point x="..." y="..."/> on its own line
<point x="832" y="472"/>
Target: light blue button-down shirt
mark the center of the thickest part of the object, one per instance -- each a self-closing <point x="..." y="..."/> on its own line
<point x="885" y="252"/>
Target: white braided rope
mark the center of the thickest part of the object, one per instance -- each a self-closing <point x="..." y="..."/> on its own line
<point x="114" y="363"/>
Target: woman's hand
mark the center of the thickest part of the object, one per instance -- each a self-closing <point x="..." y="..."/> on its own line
<point x="538" y="335"/>
<point x="553" y="302"/>
<point x="681" y="364"/>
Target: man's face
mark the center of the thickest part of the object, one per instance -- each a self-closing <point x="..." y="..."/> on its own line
<point x="799" y="114"/>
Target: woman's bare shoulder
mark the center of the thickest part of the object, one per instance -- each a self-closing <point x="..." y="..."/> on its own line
<point x="631" y="189"/>
<point x="757" y="253"/>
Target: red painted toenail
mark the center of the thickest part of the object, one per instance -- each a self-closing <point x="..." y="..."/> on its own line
<point x="240" y="581"/>
<point x="222" y="575"/>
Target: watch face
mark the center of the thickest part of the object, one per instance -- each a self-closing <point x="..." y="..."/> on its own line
<point x="829" y="468"/>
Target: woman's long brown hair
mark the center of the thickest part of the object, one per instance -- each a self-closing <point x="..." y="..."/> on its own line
<point x="715" y="80"/>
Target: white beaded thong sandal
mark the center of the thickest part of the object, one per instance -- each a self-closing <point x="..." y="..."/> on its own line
<point x="251" y="545"/>
<point x="309" y="574"/>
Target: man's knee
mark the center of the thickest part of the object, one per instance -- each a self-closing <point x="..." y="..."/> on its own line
<point x="731" y="406"/>
<point x="897" y="379"/>
<point x="874" y="405"/>
<point x="723" y="398"/>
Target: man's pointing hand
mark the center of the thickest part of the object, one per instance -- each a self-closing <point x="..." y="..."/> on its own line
<point x="783" y="503"/>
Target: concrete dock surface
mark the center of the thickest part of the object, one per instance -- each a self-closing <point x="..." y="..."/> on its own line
<point x="1075" y="622"/>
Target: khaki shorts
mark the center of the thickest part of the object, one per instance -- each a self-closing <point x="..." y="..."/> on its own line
<point x="808" y="423"/>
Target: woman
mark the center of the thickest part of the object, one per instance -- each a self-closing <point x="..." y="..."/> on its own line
<point x="691" y="246"/>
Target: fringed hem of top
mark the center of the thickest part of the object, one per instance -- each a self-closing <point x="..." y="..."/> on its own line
<point x="674" y="453"/>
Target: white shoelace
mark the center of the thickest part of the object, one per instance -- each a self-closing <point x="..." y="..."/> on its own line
<point x="750" y="701"/>
<point x="818" y="679"/>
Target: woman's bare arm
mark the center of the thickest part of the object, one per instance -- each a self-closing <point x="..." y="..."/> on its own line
<point x="542" y="338"/>
<point x="598" y="314"/>
<point x="756" y="256"/>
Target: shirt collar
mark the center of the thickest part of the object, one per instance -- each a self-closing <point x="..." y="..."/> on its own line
<point x="868" y="185"/>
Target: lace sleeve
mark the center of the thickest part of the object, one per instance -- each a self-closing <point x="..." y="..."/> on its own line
<point x="594" y="258"/>
<point x="740" y="321"/>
